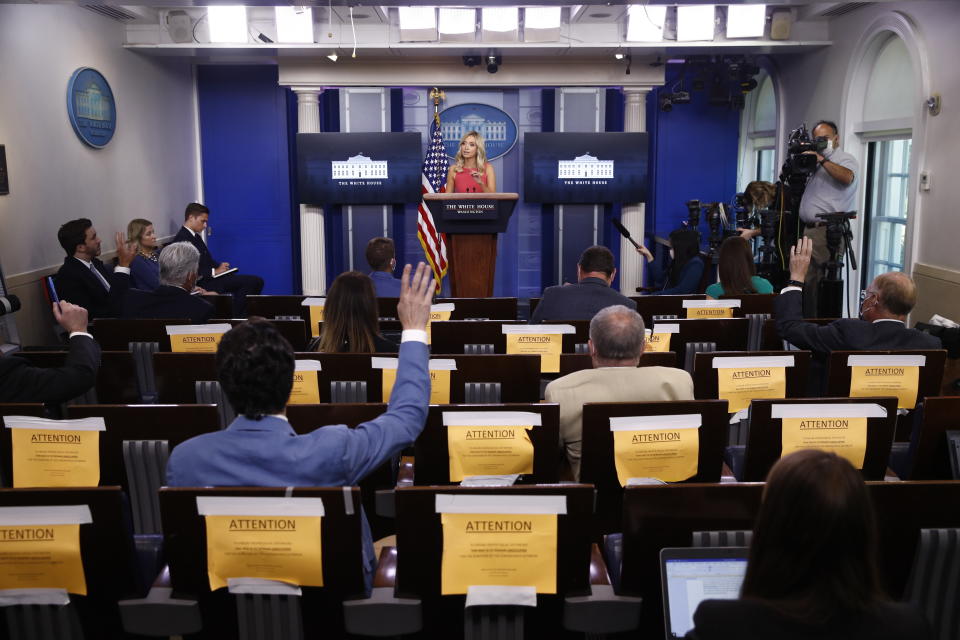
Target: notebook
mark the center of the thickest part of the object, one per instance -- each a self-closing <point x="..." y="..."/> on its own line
<point x="690" y="575"/>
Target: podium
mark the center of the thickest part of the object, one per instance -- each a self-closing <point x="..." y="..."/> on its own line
<point x="471" y="222"/>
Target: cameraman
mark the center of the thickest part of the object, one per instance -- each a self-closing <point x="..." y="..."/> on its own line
<point x="831" y="188"/>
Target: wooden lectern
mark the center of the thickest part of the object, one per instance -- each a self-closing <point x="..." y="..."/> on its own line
<point x="471" y="222"/>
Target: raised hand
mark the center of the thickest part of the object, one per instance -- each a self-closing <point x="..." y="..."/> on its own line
<point x="800" y="259"/>
<point x="126" y="251"/>
<point x="416" y="294"/>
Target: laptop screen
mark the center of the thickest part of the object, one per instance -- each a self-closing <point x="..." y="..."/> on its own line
<point x="692" y="580"/>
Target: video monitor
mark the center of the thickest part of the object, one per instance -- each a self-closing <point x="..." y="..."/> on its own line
<point x="359" y="168"/>
<point x="592" y="168"/>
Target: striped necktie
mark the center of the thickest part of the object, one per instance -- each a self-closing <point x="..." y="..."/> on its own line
<point x="96" y="272"/>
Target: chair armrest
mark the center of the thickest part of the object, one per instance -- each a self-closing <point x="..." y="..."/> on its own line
<point x="159" y="614"/>
<point x="603" y="611"/>
<point x="382" y="614"/>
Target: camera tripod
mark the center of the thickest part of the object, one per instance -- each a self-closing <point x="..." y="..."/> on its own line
<point x="839" y="242"/>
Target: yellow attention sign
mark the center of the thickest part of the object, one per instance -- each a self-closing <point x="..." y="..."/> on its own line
<point x="667" y="454"/>
<point x="846" y="437"/>
<point x="439" y="385"/>
<point x="306" y="390"/>
<point x="899" y="381"/>
<point x="42" y="556"/>
<point x="657" y="342"/>
<point x="195" y="342"/>
<point x="276" y="547"/>
<point x="547" y="346"/>
<point x="741" y="385"/>
<point x="709" y="312"/>
<point x="51" y="458"/>
<point x="436" y="315"/>
<point x="498" y="549"/>
<point x="489" y="450"/>
<point x="316" y="317"/>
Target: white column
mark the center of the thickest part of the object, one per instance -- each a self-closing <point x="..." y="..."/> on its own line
<point x="312" y="255"/>
<point x="632" y="215"/>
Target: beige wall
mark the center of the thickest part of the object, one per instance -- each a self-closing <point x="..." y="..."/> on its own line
<point x="148" y="170"/>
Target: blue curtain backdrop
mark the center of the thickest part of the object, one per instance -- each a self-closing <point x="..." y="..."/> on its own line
<point x="693" y="155"/>
<point x="246" y="172"/>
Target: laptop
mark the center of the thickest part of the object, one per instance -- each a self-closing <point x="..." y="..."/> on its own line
<point x="690" y="575"/>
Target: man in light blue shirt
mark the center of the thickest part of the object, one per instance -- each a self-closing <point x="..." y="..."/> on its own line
<point x="381" y="254"/>
<point x="255" y="367"/>
<point x="832" y="188"/>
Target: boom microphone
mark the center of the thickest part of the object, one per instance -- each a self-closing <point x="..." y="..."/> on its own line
<point x="623" y="231"/>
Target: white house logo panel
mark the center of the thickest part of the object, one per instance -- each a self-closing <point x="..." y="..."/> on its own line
<point x="359" y="170"/>
<point x="585" y="169"/>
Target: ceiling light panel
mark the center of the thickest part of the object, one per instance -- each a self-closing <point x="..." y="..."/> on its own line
<point x="542" y="17"/>
<point x="695" y="22"/>
<point x="455" y="22"/>
<point x="500" y="18"/>
<point x="746" y="20"/>
<point x="541" y="24"/>
<point x="645" y="23"/>
<point x="417" y="24"/>
<point x="228" y="24"/>
<point x="294" y="24"/>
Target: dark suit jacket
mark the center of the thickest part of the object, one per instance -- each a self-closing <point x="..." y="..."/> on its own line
<point x="167" y="302"/>
<point x="77" y="284"/>
<point x="20" y="382"/>
<point x="748" y="620"/>
<point x="579" y="301"/>
<point x="207" y="262"/>
<point x="847" y="334"/>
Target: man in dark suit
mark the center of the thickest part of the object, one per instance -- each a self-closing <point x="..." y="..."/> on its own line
<point x="581" y="301"/>
<point x="241" y="286"/>
<point x="20" y="382"/>
<point x="173" y="298"/>
<point x="883" y="314"/>
<point x="86" y="281"/>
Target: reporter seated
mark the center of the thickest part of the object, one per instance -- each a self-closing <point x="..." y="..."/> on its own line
<point x="255" y="367"/>
<point x="686" y="268"/>
<point x="737" y="270"/>
<point x="20" y="382"/>
<point x="812" y="570"/>
<point x="351" y="321"/>
<point x="174" y="297"/>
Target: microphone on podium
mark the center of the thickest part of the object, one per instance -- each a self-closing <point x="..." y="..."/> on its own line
<point x="623" y="231"/>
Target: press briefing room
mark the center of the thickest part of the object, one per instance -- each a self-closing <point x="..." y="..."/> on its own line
<point x="493" y="321"/>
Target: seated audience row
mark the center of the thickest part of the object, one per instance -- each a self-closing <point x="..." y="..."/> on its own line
<point x="101" y="290"/>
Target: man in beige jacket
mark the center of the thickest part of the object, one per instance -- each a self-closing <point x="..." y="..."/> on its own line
<point x="616" y="342"/>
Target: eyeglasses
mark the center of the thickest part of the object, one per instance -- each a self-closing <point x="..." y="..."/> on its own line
<point x="866" y="293"/>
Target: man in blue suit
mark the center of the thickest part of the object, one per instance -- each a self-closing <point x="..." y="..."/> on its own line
<point x="173" y="298"/>
<point x="381" y="256"/>
<point x="255" y="368"/>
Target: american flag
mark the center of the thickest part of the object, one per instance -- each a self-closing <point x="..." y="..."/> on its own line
<point x="433" y="180"/>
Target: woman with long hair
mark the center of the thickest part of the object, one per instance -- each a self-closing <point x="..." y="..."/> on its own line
<point x="686" y="268"/>
<point x="145" y="268"/>
<point x="812" y="571"/>
<point x="351" y="319"/>
<point x="738" y="273"/>
<point x="470" y="171"/>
